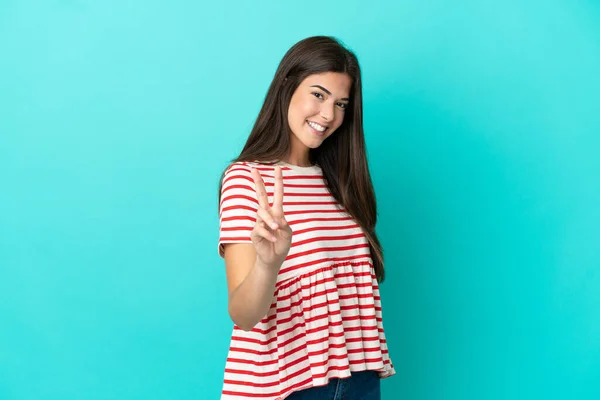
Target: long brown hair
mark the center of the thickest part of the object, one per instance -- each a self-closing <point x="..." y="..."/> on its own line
<point x="342" y="156"/>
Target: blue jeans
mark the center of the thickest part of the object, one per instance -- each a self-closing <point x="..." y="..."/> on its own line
<point x="359" y="386"/>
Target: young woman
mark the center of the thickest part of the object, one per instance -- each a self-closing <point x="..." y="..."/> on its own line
<point x="297" y="232"/>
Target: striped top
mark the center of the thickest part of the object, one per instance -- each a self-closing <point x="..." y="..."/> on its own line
<point x="325" y="319"/>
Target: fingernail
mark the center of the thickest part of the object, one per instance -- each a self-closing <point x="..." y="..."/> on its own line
<point x="274" y="226"/>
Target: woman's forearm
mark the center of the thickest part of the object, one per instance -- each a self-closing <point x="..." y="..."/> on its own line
<point x="251" y="300"/>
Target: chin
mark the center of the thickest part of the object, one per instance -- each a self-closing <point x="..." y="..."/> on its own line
<point x="313" y="144"/>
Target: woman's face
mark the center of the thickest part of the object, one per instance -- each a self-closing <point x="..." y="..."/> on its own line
<point x="317" y="109"/>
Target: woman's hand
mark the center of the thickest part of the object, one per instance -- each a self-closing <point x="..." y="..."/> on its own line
<point x="271" y="236"/>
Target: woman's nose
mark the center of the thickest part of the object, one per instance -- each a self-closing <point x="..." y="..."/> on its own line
<point x="327" y="112"/>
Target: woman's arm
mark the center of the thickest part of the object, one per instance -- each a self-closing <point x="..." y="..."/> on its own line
<point x="252" y="268"/>
<point x="251" y="285"/>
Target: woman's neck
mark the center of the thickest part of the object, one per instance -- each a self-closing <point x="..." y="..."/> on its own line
<point x="299" y="160"/>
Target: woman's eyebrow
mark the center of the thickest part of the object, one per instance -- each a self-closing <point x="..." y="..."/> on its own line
<point x="328" y="92"/>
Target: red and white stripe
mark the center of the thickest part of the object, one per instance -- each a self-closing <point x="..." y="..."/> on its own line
<point x="325" y="320"/>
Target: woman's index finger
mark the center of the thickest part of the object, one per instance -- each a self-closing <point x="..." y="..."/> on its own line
<point x="261" y="192"/>
<point x="278" y="189"/>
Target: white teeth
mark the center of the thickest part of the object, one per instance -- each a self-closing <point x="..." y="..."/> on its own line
<point x="317" y="127"/>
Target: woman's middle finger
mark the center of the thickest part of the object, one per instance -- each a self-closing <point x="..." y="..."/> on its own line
<point x="261" y="192"/>
<point x="266" y="216"/>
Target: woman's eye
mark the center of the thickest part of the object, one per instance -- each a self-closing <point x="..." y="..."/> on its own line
<point x="318" y="95"/>
<point x="343" y="105"/>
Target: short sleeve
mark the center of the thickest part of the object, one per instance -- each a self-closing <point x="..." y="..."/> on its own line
<point x="238" y="206"/>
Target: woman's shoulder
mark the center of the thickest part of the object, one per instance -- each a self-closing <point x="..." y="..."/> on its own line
<point x="243" y="169"/>
<point x="247" y="166"/>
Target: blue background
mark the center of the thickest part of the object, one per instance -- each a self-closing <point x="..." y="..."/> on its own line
<point x="483" y="130"/>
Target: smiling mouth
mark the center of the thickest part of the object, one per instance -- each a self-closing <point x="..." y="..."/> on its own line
<point x="317" y="127"/>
